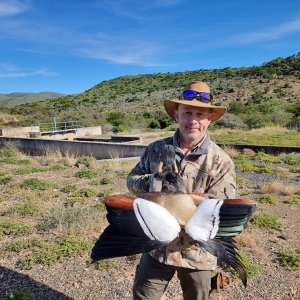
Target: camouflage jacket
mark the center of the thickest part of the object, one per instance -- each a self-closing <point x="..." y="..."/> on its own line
<point x="206" y="169"/>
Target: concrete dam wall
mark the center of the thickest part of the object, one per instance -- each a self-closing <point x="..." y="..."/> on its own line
<point x="99" y="150"/>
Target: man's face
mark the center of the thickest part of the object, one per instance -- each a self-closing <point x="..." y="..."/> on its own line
<point x="192" y="121"/>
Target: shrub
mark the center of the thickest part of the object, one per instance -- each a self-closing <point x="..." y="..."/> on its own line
<point x="5" y="180"/>
<point x="87" y="173"/>
<point x="36" y="184"/>
<point x="12" y="228"/>
<point x="290" y="260"/>
<point x="279" y="188"/>
<point x="244" y="165"/>
<point x="86" y="193"/>
<point x="106" y="264"/>
<point x="293" y="200"/>
<point x="252" y="269"/>
<point x="267" y="199"/>
<point x="26" y="209"/>
<point x="24" y="244"/>
<point x="19" y="295"/>
<point x="9" y="150"/>
<point x="69" y="188"/>
<point x="231" y="121"/>
<point x="266" y="168"/>
<point x="123" y="174"/>
<point x="30" y="170"/>
<point x="88" y="161"/>
<point x="267" y="157"/>
<point x="292" y="158"/>
<point x="15" y="160"/>
<point x="72" y="200"/>
<point x="104" y="181"/>
<point x="153" y="124"/>
<point x="71" y="218"/>
<point x="265" y="220"/>
<point x="55" y="252"/>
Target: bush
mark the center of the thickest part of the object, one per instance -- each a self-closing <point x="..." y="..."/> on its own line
<point x="267" y="199"/>
<point x="267" y="157"/>
<point x="5" y="180"/>
<point x="86" y="193"/>
<point x="289" y="260"/>
<point x="24" y="244"/>
<point x="19" y="295"/>
<point x="293" y="200"/>
<point x="104" y="181"/>
<point x="36" y="184"/>
<point x="71" y="218"/>
<point x="52" y="253"/>
<point x="86" y="160"/>
<point x="69" y="188"/>
<point x="153" y="124"/>
<point x="87" y="173"/>
<point x="14" y="229"/>
<point x="231" y="121"/>
<point x="26" y="209"/>
<point x="30" y="170"/>
<point x="265" y="220"/>
<point x="9" y="150"/>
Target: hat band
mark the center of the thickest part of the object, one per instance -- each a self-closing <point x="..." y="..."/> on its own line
<point x="191" y="95"/>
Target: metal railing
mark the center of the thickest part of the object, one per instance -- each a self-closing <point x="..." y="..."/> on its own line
<point x="59" y="126"/>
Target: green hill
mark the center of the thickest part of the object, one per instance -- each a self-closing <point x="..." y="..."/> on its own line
<point x="14" y="99"/>
<point x="256" y="97"/>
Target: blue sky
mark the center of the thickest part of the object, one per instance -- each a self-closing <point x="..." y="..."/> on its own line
<point x="69" y="46"/>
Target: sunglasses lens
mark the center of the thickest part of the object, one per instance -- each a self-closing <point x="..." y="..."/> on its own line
<point x="202" y="96"/>
<point x="205" y="97"/>
<point x="189" y="95"/>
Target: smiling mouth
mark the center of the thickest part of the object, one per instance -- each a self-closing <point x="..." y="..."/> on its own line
<point x="192" y="128"/>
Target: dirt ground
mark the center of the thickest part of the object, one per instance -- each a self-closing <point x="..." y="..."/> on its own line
<point x="74" y="278"/>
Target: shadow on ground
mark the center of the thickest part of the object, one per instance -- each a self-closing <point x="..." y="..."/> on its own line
<point x="11" y="280"/>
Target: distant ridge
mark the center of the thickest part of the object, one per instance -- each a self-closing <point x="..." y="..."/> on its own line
<point x="255" y="96"/>
<point x="18" y="98"/>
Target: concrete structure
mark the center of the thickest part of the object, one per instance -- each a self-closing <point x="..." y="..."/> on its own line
<point x="89" y="131"/>
<point x="102" y="150"/>
<point x="19" y="131"/>
<point x="99" y="150"/>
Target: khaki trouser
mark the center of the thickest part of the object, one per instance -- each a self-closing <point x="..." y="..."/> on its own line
<point x="152" y="278"/>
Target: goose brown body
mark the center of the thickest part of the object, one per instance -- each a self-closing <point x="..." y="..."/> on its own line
<point x="180" y="206"/>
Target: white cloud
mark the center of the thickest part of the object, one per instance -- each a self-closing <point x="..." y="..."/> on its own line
<point x="121" y="50"/>
<point x="8" y="70"/>
<point x="273" y="33"/>
<point x="136" y="9"/>
<point x="13" y="7"/>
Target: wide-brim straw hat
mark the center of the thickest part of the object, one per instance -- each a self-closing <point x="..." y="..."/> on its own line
<point x="198" y="86"/>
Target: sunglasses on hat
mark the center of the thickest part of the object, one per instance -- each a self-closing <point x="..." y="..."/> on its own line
<point x="201" y="96"/>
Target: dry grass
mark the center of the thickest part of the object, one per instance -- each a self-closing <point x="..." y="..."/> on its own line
<point x="115" y="153"/>
<point x="279" y="188"/>
<point x="6" y="118"/>
<point x="273" y="130"/>
<point x="53" y="157"/>
<point x="249" y="152"/>
<point x="231" y="151"/>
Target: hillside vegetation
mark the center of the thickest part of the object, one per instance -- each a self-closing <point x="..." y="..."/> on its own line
<point x="14" y="99"/>
<point x="255" y="96"/>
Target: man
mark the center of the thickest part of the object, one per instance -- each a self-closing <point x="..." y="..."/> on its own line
<point x="205" y="168"/>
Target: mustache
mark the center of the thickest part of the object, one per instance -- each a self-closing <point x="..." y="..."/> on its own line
<point x="191" y="127"/>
